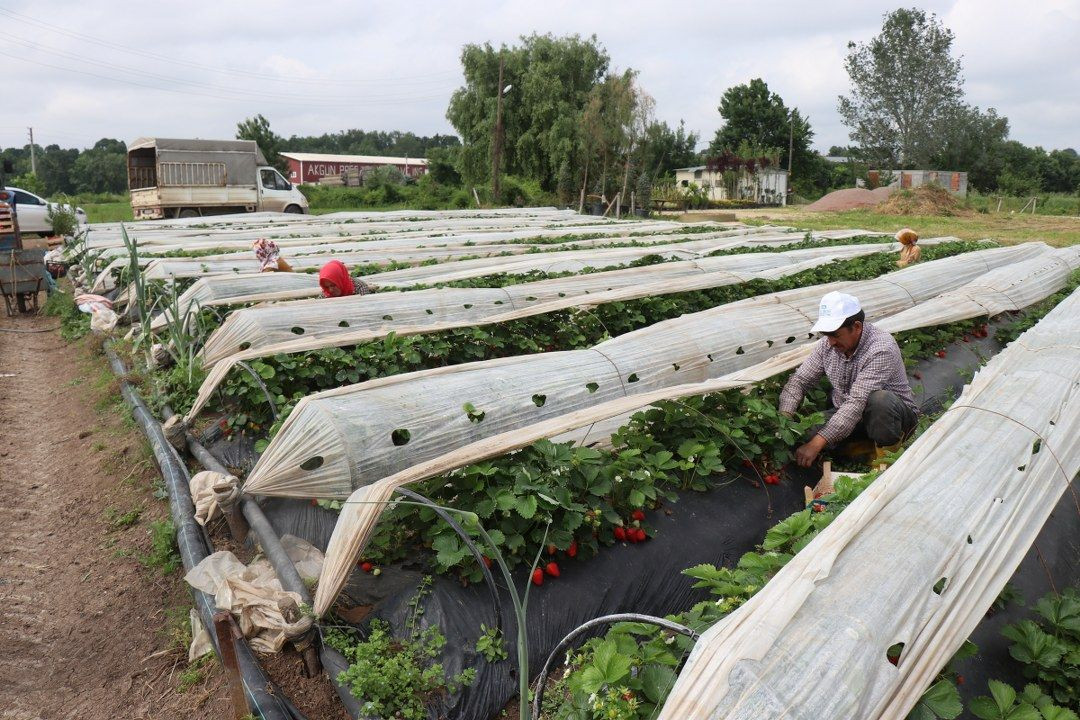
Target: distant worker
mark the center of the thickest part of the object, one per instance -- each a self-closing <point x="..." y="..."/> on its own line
<point x="269" y="256"/>
<point x="910" y="253"/>
<point x="870" y="398"/>
<point x="335" y="281"/>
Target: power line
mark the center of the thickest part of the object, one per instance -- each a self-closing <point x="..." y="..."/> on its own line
<point x="19" y="17"/>
<point x="364" y="102"/>
<point x="255" y="94"/>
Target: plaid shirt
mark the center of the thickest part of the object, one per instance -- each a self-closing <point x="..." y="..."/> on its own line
<point x="875" y="365"/>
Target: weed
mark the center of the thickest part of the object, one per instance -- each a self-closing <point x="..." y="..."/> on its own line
<point x="163" y="553"/>
<point x="121" y="521"/>
<point x="194" y="674"/>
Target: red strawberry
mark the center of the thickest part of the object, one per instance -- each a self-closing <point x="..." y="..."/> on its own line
<point x="917" y="375"/>
<point x="638" y="515"/>
<point x="967" y="339"/>
<point x="639" y="535"/>
<point x="365" y="566"/>
<point x="552" y="569"/>
<point x="552" y="549"/>
<point x="895" y="660"/>
<point x="487" y="560"/>
<point x="572" y="550"/>
<point x="940" y="353"/>
<point x="772" y="479"/>
<point x="746" y="463"/>
<point x="314" y="502"/>
<point x="959" y="679"/>
<point x="620" y="533"/>
<point x="538" y="577"/>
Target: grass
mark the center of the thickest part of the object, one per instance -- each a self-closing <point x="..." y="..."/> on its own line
<point x="108" y="212"/>
<point x="1006" y="228"/>
<point x="163" y="553"/>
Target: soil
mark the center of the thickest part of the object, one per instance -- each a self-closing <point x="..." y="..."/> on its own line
<point x="924" y="200"/>
<point x="848" y="199"/>
<point x="90" y="628"/>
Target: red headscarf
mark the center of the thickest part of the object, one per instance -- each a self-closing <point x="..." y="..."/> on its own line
<point x="335" y="274"/>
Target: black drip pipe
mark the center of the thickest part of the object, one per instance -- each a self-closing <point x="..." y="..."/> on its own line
<point x="264" y="699"/>
<point x="334" y="663"/>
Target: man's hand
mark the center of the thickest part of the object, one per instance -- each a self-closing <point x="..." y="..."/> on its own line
<point x="788" y="414"/>
<point x="806" y="454"/>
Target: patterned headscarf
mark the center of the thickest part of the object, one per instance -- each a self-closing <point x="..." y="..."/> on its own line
<point x="267" y="253"/>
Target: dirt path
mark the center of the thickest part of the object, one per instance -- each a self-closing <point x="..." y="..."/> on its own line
<point x="88" y="628"/>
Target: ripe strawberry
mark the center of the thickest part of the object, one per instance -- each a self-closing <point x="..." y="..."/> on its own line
<point x="538" y="577"/>
<point x="917" y="375"/>
<point x="314" y="502"/>
<point x="746" y="463"/>
<point x="572" y="550"/>
<point x="552" y="569"/>
<point x="639" y="535"/>
<point x="620" y="532"/>
<point x="487" y="561"/>
<point x="940" y="353"/>
<point x="365" y="566"/>
<point x="552" y="549"/>
<point x="638" y="515"/>
<point x="895" y="660"/>
<point x="772" y="479"/>
<point x="959" y="679"/>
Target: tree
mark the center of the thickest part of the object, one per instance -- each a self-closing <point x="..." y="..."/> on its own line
<point x="759" y="118"/>
<point x="905" y="87"/>
<point x="551" y="79"/>
<point x="664" y="150"/>
<point x="973" y="142"/>
<point x="258" y="129"/>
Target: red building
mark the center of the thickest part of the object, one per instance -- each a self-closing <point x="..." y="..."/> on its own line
<point x="312" y="167"/>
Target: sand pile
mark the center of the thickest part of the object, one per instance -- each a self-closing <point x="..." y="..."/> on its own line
<point x="849" y="199"/>
<point x="923" y="200"/>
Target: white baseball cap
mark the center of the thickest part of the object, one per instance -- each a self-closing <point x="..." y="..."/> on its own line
<point x="835" y="308"/>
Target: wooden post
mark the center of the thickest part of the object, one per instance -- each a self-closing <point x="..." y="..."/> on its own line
<point x="632" y="208"/>
<point x="476" y="196"/>
<point x="223" y="628"/>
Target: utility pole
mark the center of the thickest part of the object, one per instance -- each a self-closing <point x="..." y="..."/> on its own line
<point x="496" y="154"/>
<point x="790" y="146"/>
<point x="33" y="157"/>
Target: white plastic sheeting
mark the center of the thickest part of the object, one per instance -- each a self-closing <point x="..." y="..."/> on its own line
<point x="318" y="323"/>
<point x="342" y="439"/>
<point x="965" y="502"/>
<point x="361" y="512"/>
<point x="444" y="309"/>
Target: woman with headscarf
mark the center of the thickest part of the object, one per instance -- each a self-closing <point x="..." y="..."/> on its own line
<point x="910" y="253"/>
<point x="335" y="281"/>
<point x="269" y="256"/>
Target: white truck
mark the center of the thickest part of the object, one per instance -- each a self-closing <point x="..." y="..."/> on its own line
<point x="171" y="178"/>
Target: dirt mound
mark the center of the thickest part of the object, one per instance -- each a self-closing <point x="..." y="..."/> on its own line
<point x="924" y="200"/>
<point x="847" y="199"/>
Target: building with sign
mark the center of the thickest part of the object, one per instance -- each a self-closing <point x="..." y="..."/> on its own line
<point x="312" y="167"/>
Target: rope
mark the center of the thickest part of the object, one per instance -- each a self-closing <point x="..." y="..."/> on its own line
<point x="1043" y="444"/>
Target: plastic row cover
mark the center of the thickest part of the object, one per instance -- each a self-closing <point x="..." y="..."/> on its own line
<point x="341" y="439"/>
<point x="312" y="324"/>
<point x="360" y="514"/>
<point x="965" y="502"/>
<point x="469" y="315"/>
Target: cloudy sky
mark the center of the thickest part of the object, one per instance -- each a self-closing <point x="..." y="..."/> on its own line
<point x="79" y="71"/>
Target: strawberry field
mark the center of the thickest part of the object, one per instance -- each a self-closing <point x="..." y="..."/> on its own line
<point x="539" y="419"/>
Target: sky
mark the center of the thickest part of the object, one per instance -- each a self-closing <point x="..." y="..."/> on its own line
<point x="80" y="71"/>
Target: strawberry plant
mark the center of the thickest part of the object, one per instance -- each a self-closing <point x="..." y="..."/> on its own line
<point x="1004" y="703"/>
<point x="1049" y="647"/>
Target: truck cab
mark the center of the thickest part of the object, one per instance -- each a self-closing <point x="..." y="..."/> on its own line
<point x="276" y="194"/>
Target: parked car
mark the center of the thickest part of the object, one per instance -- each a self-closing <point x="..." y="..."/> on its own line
<point x="33" y="212"/>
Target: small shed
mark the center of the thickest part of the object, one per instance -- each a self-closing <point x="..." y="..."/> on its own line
<point x="954" y="181"/>
<point x="312" y="167"/>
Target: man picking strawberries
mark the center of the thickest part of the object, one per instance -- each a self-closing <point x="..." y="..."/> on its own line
<point x="870" y="398"/>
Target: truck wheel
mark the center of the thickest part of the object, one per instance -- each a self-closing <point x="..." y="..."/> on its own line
<point x="293" y="209"/>
<point x="188" y="213"/>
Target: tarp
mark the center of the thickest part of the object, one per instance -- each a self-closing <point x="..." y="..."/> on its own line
<point x="964" y="502"/>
